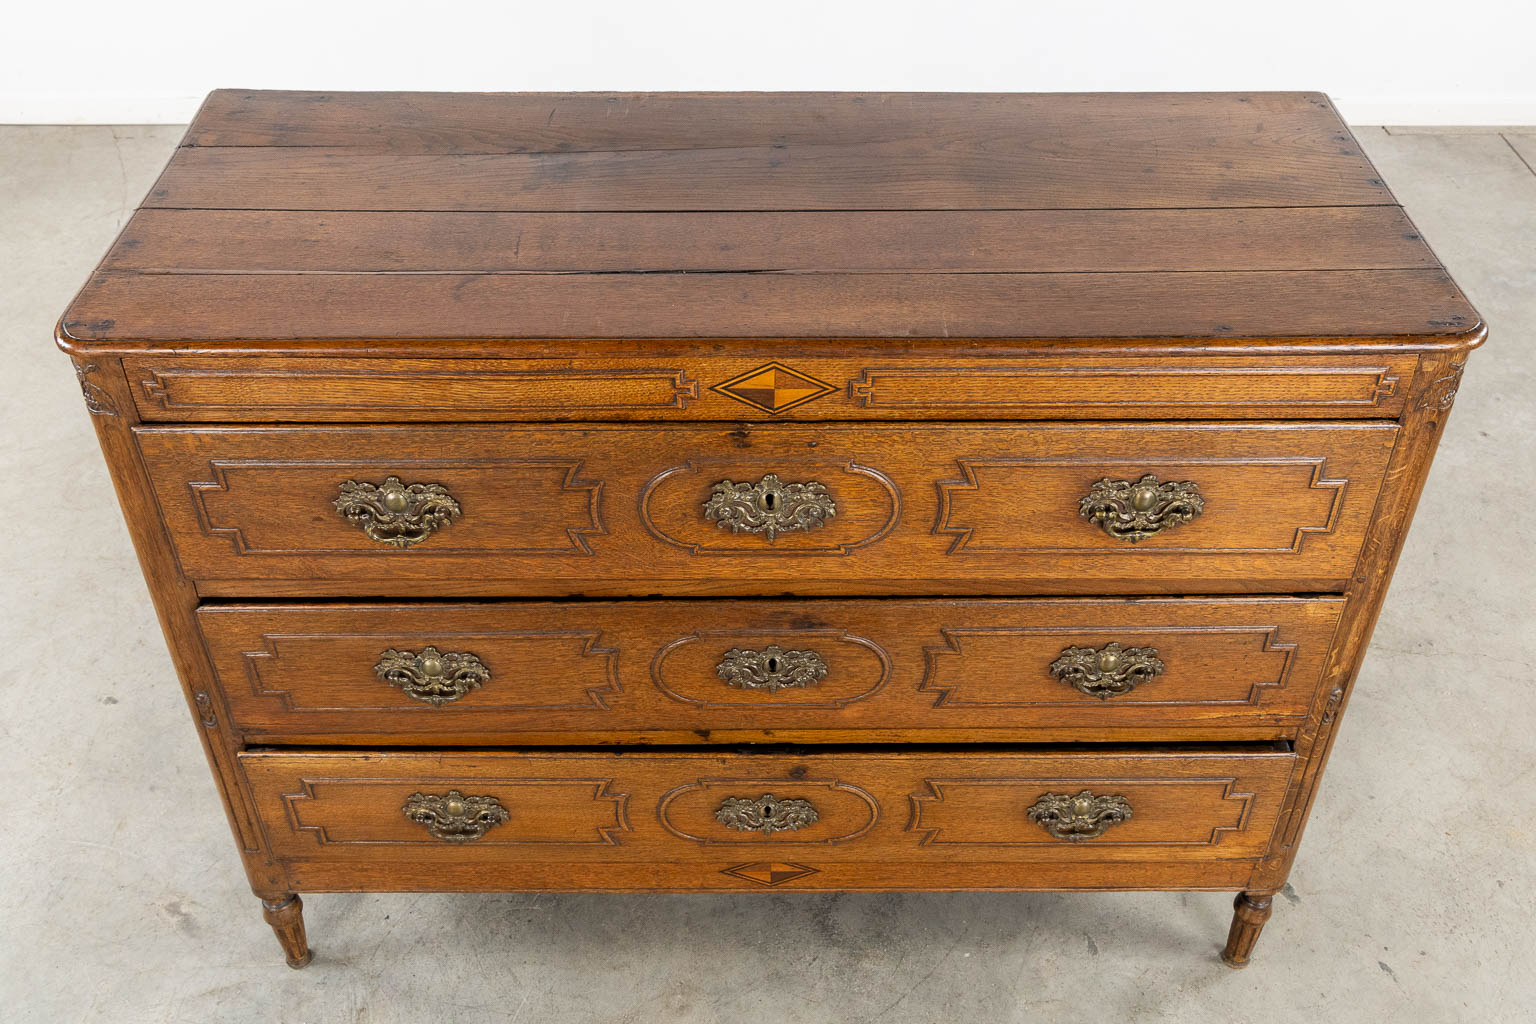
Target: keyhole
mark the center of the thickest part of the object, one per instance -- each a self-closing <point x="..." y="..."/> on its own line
<point x="768" y="809"/>
<point x="768" y="500"/>
<point x="773" y="664"/>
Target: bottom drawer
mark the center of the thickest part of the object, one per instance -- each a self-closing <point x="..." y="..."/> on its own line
<point x="616" y="821"/>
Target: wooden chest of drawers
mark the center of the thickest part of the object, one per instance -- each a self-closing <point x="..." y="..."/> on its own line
<point x="768" y="492"/>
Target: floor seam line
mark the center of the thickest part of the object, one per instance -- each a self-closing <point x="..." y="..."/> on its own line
<point x="1518" y="155"/>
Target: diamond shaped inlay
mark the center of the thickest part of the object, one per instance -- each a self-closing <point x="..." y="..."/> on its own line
<point x="774" y="387"/>
<point x="768" y="872"/>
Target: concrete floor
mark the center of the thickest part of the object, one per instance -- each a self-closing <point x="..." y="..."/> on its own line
<point x="122" y="900"/>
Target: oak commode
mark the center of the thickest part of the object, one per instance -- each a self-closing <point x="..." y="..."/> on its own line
<point x="751" y="493"/>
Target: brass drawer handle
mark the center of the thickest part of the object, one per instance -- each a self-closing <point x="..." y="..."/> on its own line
<point x="1107" y="671"/>
<point x="432" y="677"/>
<point x="772" y="669"/>
<point x="1080" y="817"/>
<point x="1135" y="511"/>
<point x="769" y="506"/>
<point x="766" y="814"/>
<point x="395" y="513"/>
<point x="454" y="817"/>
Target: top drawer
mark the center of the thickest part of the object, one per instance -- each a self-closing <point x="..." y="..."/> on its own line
<point x="859" y="383"/>
<point x="823" y="509"/>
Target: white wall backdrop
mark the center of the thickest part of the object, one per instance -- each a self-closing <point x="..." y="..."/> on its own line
<point x="1384" y="61"/>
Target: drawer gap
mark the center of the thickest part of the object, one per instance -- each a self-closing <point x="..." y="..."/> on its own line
<point x="1281" y="746"/>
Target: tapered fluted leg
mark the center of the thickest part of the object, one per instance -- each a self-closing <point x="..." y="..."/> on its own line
<point x="286" y="916"/>
<point x="1249" y="912"/>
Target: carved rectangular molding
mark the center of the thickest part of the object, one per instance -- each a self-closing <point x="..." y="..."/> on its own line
<point x="997" y="504"/>
<point x="1111" y="389"/>
<point x="804" y="380"/>
<point x="1016" y="659"/>
<point x="544" y="811"/>
<point x="571" y="663"/>
<point x="1165" y="812"/>
<point x="393" y="393"/>
<point x="243" y="501"/>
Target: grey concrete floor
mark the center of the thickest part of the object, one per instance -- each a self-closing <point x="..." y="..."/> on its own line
<point x="121" y="898"/>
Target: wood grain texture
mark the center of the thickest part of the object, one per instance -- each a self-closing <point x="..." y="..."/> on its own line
<point x="373" y="282"/>
<point x="1433" y="395"/>
<point x="902" y="671"/>
<point x="692" y="385"/>
<point x="617" y="816"/>
<point x="210" y="308"/>
<point x="175" y="600"/>
<point x="995" y="241"/>
<point x="295" y="219"/>
<point x="919" y="509"/>
<point x="418" y="122"/>
<point x="724" y="151"/>
<point x="1250" y="911"/>
<point x="286" y="916"/>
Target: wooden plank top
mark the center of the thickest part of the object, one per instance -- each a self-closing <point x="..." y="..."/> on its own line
<point x="339" y="221"/>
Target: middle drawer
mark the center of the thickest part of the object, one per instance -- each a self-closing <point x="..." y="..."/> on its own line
<point x="938" y="670"/>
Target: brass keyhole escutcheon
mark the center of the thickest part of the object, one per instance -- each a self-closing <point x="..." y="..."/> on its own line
<point x="771" y="669"/>
<point x="767" y="814"/>
<point x="770" y="506"/>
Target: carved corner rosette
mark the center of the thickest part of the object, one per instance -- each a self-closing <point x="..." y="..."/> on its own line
<point x="1081" y="817"/>
<point x="771" y="669"/>
<point x="396" y="513"/>
<point x="769" y="506"/>
<point x="766" y="814"/>
<point x="454" y="817"/>
<point x="432" y="677"/>
<point x="1108" y="671"/>
<point x="1440" y="393"/>
<point x="1136" y="511"/>
<point x="97" y="401"/>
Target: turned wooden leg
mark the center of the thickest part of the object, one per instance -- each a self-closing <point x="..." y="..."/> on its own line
<point x="286" y="916"/>
<point x="1249" y="912"/>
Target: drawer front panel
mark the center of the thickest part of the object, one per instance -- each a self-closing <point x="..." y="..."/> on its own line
<point x="516" y="820"/>
<point x="806" y="671"/>
<point x="775" y="382"/>
<point x="824" y="509"/>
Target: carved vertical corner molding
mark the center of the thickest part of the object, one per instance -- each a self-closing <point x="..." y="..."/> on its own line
<point x="97" y="401"/>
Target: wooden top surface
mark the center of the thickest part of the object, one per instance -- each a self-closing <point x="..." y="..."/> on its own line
<point x="291" y="220"/>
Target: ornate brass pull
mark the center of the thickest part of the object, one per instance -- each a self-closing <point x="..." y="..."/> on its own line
<point x="1108" y="671"/>
<point x="766" y="814"/>
<point x="772" y="669"/>
<point x="454" y="817"/>
<point x="1080" y="817"/>
<point x="432" y="677"/>
<point x="1135" y="511"/>
<point x="395" y="513"/>
<point x="769" y="506"/>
